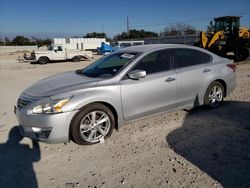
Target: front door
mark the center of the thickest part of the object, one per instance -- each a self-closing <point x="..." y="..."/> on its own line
<point x="154" y="93"/>
<point x="58" y="53"/>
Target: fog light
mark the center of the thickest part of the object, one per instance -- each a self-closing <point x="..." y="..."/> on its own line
<point x="42" y="132"/>
<point x="36" y="129"/>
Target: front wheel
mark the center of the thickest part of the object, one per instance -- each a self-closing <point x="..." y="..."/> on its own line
<point x="43" y="60"/>
<point x="93" y="123"/>
<point x="214" y="95"/>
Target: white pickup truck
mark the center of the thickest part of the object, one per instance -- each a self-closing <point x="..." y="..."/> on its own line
<point x="57" y="53"/>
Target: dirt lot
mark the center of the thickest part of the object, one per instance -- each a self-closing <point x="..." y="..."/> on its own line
<point x="197" y="148"/>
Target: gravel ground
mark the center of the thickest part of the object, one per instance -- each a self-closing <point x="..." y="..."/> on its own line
<point x="196" y="148"/>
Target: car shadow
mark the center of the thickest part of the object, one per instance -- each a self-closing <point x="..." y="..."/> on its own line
<point x="16" y="161"/>
<point x="217" y="141"/>
<point x="51" y="62"/>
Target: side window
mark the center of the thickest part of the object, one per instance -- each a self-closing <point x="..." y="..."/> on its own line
<point x="59" y="48"/>
<point x="187" y="57"/>
<point x="125" y="45"/>
<point x="206" y="58"/>
<point x="155" y="62"/>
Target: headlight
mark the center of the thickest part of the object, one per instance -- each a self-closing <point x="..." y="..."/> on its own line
<point x="51" y="107"/>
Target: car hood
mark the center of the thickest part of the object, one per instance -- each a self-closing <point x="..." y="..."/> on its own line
<point x="61" y="83"/>
<point x="43" y="52"/>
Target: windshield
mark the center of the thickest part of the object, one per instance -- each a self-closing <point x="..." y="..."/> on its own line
<point x="108" y="66"/>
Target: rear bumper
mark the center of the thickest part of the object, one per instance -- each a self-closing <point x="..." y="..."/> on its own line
<point x="49" y="128"/>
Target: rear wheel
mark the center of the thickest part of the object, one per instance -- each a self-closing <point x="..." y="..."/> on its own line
<point x="43" y="60"/>
<point x="76" y="59"/>
<point x="93" y="123"/>
<point x="241" y="53"/>
<point x="214" y="95"/>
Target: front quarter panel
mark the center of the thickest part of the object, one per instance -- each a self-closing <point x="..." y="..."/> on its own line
<point x="107" y="94"/>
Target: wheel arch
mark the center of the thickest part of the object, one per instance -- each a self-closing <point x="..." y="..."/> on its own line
<point x="44" y="57"/>
<point x="108" y="105"/>
<point x="76" y="57"/>
<point x="201" y="93"/>
<point x="223" y="84"/>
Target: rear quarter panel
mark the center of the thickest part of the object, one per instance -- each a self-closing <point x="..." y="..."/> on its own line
<point x="219" y="71"/>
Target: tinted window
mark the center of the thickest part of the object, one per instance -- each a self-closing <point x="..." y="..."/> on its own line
<point x="125" y="44"/>
<point x="206" y="58"/>
<point x="189" y="57"/>
<point x="137" y="43"/>
<point x="108" y="66"/>
<point x="59" y="48"/>
<point x="155" y="62"/>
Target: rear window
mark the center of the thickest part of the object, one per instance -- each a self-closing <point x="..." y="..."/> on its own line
<point x="189" y="57"/>
<point x="206" y="58"/>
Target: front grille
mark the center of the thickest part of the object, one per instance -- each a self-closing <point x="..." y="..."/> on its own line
<point x="21" y="103"/>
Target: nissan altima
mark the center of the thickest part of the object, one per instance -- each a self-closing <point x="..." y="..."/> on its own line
<point x="86" y="105"/>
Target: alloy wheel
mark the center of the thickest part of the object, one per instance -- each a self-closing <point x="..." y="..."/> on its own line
<point x="94" y="126"/>
<point x="215" y="96"/>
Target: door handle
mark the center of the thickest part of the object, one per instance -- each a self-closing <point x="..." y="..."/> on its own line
<point x="206" y="70"/>
<point x="170" y="79"/>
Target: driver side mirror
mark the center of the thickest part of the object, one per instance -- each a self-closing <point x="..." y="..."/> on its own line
<point x="137" y="74"/>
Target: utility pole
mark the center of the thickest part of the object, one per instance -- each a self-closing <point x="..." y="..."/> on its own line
<point x="102" y="29"/>
<point x="127" y="25"/>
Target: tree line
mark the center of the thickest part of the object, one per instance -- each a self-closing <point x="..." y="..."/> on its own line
<point x="24" y="41"/>
<point x="171" y="30"/>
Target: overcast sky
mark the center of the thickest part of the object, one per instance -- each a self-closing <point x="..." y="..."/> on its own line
<point x="51" y="18"/>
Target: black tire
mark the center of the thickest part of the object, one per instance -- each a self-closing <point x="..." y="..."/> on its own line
<point x="76" y="59"/>
<point x="43" y="60"/>
<point x="82" y="116"/>
<point x="241" y="53"/>
<point x="212" y="100"/>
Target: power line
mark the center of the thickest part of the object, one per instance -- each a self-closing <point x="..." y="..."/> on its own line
<point x="193" y="20"/>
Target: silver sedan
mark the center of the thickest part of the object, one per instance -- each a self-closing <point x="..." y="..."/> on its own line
<point x="86" y="105"/>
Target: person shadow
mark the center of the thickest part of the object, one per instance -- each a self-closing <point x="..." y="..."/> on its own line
<point x="16" y="161"/>
<point x="217" y="142"/>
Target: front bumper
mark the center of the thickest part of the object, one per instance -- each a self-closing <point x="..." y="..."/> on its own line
<point x="49" y="128"/>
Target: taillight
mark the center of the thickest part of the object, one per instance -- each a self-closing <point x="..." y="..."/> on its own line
<point x="232" y="66"/>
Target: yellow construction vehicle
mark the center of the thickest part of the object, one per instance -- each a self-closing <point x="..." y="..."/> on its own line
<point x="225" y="35"/>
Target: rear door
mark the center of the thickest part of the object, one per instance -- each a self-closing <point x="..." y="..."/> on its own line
<point x="192" y="73"/>
<point x="154" y="93"/>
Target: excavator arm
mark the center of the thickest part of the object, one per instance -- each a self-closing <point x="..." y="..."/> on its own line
<point x="218" y="35"/>
<point x="203" y="39"/>
<point x="207" y="41"/>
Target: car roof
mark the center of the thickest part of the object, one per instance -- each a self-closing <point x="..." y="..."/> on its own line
<point x="150" y="47"/>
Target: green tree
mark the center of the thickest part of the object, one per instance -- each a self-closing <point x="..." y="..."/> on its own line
<point x="178" y="29"/>
<point x="21" y="41"/>
<point x="135" y="34"/>
<point x="95" y="35"/>
<point x="41" y="42"/>
<point x="1" y="42"/>
<point x="123" y="35"/>
<point x="7" y="41"/>
<point x="47" y="42"/>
